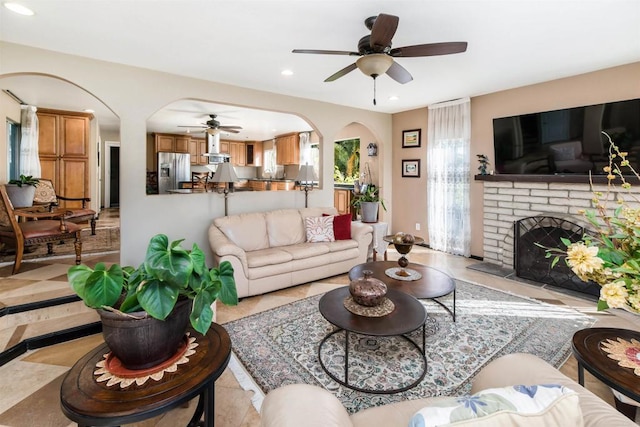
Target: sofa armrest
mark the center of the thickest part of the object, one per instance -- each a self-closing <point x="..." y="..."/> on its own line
<point x="527" y="369"/>
<point x="222" y="246"/>
<point x="359" y="229"/>
<point x="298" y="405"/>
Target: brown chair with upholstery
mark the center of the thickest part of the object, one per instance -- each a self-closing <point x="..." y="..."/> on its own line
<point x="47" y="197"/>
<point x="199" y="180"/>
<point x="44" y="228"/>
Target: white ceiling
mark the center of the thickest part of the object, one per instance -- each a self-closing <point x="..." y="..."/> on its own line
<point x="248" y="43"/>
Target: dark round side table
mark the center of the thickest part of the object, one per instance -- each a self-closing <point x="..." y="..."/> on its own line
<point x="588" y="351"/>
<point x="90" y="403"/>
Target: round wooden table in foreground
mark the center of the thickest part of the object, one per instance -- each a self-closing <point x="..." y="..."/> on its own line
<point x="90" y="403"/>
<point x="433" y="283"/>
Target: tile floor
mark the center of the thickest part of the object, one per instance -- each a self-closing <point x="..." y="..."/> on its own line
<point x="29" y="385"/>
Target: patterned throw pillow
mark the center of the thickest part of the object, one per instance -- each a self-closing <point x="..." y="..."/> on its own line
<point x="341" y="226"/>
<point x="319" y="229"/>
<point x="519" y="404"/>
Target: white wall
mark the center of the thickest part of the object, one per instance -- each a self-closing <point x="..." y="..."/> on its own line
<point x="134" y="94"/>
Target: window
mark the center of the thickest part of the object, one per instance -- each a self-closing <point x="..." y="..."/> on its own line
<point x="269" y="158"/>
<point x="315" y="158"/>
<point x="13" y="150"/>
<point x="346" y="154"/>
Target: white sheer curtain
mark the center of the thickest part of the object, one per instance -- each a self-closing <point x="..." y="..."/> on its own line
<point x="29" y="159"/>
<point x="305" y="149"/>
<point x="448" y="176"/>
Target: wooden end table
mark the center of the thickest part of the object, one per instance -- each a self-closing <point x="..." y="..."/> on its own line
<point x="433" y="283"/>
<point x="90" y="403"/>
<point x="587" y="349"/>
<point x="408" y="316"/>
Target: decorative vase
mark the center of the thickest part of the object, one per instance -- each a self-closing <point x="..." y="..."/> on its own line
<point x="140" y="341"/>
<point x="21" y="197"/>
<point x="369" y="211"/>
<point x="367" y="290"/>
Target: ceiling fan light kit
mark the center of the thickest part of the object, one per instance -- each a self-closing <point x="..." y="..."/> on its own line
<point x="376" y="54"/>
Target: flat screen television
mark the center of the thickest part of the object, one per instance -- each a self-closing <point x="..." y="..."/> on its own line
<point x="568" y="141"/>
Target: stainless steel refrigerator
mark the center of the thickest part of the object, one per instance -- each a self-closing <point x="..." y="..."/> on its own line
<point x="173" y="168"/>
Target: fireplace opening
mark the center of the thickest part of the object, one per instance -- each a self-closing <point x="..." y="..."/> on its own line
<point x="530" y="260"/>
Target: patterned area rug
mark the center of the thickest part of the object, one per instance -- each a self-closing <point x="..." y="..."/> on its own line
<point x="280" y="346"/>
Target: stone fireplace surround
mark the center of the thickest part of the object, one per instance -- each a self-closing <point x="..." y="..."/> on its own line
<point x="508" y="198"/>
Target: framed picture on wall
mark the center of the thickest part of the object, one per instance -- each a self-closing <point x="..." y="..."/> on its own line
<point x="411" y="138"/>
<point x="411" y="168"/>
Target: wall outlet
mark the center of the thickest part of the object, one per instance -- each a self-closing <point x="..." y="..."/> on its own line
<point x="417" y="226"/>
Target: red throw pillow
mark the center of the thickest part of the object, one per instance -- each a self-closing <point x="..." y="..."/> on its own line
<point x="341" y="226"/>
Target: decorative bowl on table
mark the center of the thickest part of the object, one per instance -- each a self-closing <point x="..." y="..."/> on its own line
<point x="403" y="242"/>
<point x="368" y="291"/>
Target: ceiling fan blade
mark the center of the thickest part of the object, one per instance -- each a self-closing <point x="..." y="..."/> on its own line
<point x="238" y="128"/>
<point x="398" y="73"/>
<point x="384" y="28"/>
<point x="344" y="71"/>
<point x="430" y="49"/>
<point x="223" y="129"/>
<point x="194" y="126"/>
<point x="326" y="52"/>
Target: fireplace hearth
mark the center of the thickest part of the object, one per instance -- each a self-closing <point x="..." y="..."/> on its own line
<point x="530" y="260"/>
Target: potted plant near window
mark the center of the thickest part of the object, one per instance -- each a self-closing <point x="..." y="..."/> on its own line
<point x="367" y="202"/>
<point x="145" y="311"/>
<point x="22" y="190"/>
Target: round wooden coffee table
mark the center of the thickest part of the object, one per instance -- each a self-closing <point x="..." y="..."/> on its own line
<point x="409" y="315"/>
<point x="433" y="283"/>
<point x="588" y="350"/>
<point x="90" y="403"/>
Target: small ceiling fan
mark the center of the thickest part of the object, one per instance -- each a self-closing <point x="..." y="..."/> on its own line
<point x="213" y="126"/>
<point x="376" y="54"/>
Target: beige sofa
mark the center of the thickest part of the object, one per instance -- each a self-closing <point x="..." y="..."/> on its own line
<point x="269" y="251"/>
<point x="311" y="406"/>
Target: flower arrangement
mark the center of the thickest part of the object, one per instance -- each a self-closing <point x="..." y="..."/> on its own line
<point x="484" y="164"/>
<point x="610" y="256"/>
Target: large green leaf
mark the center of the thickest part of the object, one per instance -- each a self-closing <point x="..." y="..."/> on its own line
<point x="202" y="314"/>
<point x="228" y="292"/>
<point x="157" y="299"/>
<point x="198" y="259"/>
<point x="99" y="287"/>
<point x="171" y="264"/>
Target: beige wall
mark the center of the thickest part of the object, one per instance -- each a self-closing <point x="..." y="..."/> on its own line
<point x="409" y="194"/>
<point x="134" y="94"/>
<point x="409" y="203"/>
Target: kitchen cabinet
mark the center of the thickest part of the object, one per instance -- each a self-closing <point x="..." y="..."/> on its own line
<point x="258" y="185"/>
<point x="254" y="153"/>
<point x="198" y="149"/>
<point x="342" y="200"/>
<point x="288" y="149"/>
<point x="282" y="185"/>
<point x="63" y="148"/>
<point x="238" y="153"/>
<point x="224" y="147"/>
<point x="167" y="143"/>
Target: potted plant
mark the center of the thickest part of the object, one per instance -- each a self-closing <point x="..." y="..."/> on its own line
<point x="22" y="190"/>
<point x="145" y="311"/>
<point x="367" y="202"/>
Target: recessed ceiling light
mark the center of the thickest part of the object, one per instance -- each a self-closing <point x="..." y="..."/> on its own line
<point x="89" y="110"/>
<point x="287" y="73"/>
<point x="393" y="98"/>
<point x="18" y="8"/>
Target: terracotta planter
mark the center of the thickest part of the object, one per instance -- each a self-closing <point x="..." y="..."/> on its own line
<point x="21" y="197"/>
<point x="145" y="342"/>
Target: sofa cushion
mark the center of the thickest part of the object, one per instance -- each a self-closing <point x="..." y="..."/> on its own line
<point x="341" y="245"/>
<point x="268" y="256"/>
<point x="517" y="405"/>
<point x="305" y="250"/>
<point x="249" y="231"/>
<point x="319" y="229"/>
<point x="341" y="226"/>
<point x="285" y="227"/>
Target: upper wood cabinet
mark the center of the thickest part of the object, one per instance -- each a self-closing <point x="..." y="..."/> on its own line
<point x="198" y="149"/>
<point x="63" y="148"/>
<point x="224" y="147"/>
<point x="288" y="149"/>
<point x="167" y="143"/>
<point x="238" y="154"/>
<point x="254" y="153"/>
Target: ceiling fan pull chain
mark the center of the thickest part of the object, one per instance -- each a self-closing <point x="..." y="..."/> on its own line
<point x="374" y="89"/>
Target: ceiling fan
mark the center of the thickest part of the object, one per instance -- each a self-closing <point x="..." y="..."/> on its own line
<point x="213" y="126"/>
<point x="376" y="54"/>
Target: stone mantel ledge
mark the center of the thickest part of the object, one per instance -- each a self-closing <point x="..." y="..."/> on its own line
<point x="569" y="179"/>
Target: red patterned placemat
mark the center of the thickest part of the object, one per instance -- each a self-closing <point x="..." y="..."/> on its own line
<point x="627" y="353"/>
<point x="110" y="368"/>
